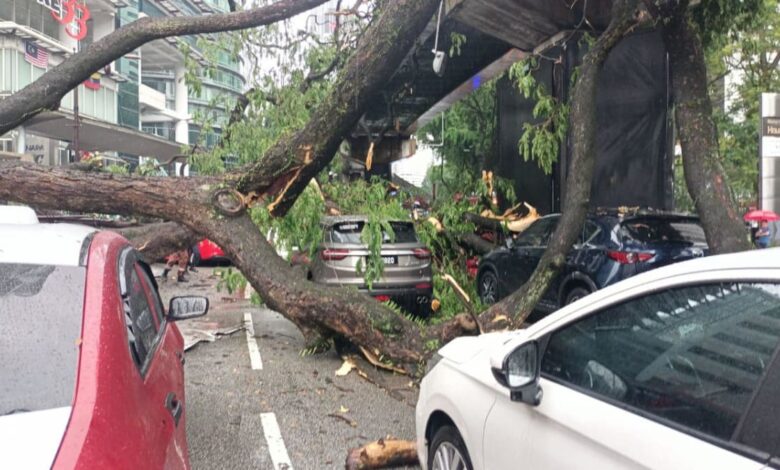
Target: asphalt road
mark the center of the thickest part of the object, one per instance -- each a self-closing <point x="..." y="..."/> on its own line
<point x="294" y="412"/>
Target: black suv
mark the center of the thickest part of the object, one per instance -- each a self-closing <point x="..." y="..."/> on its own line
<point x="612" y="247"/>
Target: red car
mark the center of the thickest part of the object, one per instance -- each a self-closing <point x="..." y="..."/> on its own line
<point x="207" y="251"/>
<point x="91" y="373"/>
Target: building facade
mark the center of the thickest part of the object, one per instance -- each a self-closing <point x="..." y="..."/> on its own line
<point x="138" y="106"/>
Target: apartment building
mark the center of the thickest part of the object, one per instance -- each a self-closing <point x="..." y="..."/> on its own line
<point x="138" y="106"/>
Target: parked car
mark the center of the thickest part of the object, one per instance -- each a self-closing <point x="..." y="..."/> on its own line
<point x="91" y="373"/>
<point x="674" y="368"/>
<point x="206" y="251"/>
<point x="611" y="248"/>
<point x="407" y="279"/>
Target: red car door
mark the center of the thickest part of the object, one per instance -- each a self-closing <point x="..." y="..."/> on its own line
<point x="128" y="410"/>
<point x="165" y="375"/>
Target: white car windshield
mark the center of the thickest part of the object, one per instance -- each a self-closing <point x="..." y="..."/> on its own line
<point x="40" y="319"/>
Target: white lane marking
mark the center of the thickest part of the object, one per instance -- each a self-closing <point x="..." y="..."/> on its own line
<point x="254" y="351"/>
<point x="273" y="437"/>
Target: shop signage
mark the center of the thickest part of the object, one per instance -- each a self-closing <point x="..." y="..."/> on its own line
<point x="71" y="13"/>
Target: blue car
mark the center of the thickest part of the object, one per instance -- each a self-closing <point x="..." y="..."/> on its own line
<point x="612" y="247"/>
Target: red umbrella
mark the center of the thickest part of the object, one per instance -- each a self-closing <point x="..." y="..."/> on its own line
<point x="760" y="215"/>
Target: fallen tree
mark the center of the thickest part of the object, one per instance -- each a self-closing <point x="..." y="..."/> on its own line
<point x="216" y="207"/>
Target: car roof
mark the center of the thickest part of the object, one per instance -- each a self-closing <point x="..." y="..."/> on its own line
<point x="50" y="244"/>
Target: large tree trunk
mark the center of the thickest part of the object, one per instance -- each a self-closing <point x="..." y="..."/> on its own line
<point x="155" y="241"/>
<point x="47" y="91"/>
<point x="696" y="129"/>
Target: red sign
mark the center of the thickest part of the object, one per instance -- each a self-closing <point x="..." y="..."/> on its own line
<point x="71" y="13"/>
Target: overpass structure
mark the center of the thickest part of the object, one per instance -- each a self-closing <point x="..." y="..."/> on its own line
<point x="634" y="138"/>
<point x="498" y="33"/>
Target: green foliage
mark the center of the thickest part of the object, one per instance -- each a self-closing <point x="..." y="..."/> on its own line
<point x="117" y="169"/>
<point x="300" y="229"/>
<point x="463" y="139"/>
<point x="149" y="167"/>
<point x="741" y="54"/>
<point x="720" y="19"/>
<point x="457" y="40"/>
<point x="541" y="140"/>
<point x="230" y="280"/>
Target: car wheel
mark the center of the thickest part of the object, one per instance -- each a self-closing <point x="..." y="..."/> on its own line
<point x="447" y="451"/>
<point x="576" y="294"/>
<point x="488" y="288"/>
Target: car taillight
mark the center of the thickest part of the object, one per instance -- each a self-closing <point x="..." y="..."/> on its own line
<point x="382" y="298"/>
<point x="423" y="285"/>
<point x="422" y="253"/>
<point x="629" y="257"/>
<point x="330" y="254"/>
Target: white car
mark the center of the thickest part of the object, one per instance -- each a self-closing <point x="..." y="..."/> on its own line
<point x="677" y="368"/>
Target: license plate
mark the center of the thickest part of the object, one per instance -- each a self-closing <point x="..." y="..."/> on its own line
<point x="389" y="260"/>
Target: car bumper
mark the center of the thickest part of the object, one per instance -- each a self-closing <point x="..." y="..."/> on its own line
<point x="411" y="299"/>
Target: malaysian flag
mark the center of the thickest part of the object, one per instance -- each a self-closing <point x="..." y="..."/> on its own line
<point x="35" y="55"/>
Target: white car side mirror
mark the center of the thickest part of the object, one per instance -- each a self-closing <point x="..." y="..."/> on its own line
<point x="519" y="372"/>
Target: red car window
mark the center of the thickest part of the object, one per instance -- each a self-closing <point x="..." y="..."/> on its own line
<point x="140" y="317"/>
<point x="152" y="298"/>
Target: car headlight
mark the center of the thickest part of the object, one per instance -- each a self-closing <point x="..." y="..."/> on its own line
<point x="432" y="362"/>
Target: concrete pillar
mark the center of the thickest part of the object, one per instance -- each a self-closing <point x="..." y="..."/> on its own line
<point x="21" y="139"/>
<point x="181" y="107"/>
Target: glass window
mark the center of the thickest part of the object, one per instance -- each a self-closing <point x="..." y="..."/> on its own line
<point x="22" y="14"/>
<point x="140" y="317"/>
<point x="7" y="10"/>
<point x="538" y="233"/>
<point x="24" y="74"/>
<point x="40" y="312"/>
<point x="51" y="27"/>
<point x="663" y="230"/>
<point x="692" y="355"/>
<point x="150" y="285"/>
<point x="349" y="232"/>
<point x="590" y="232"/>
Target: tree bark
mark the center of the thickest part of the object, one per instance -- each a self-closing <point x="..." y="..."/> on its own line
<point x="155" y="241"/>
<point x="384" y="453"/>
<point x="47" y="91"/>
<point x="696" y="129"/>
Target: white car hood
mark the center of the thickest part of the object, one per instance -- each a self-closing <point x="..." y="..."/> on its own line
<point x="31" y="440"/>
<point x="465" y="348"/>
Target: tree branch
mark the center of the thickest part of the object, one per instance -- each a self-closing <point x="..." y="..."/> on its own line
<point x="47" y="91"/>
<point x="392" y="35"/>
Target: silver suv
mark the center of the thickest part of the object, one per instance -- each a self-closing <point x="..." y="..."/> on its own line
<point x="407" y="279"/>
